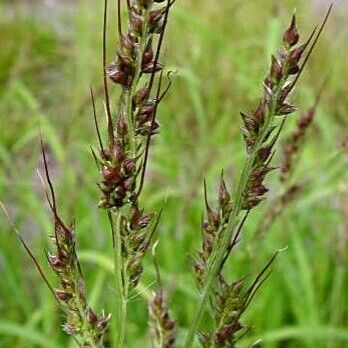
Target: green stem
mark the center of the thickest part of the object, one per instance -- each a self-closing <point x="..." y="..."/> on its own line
<point x="123" y="320"/>
<point x="124" y="307"/>
<point x="217" y="257"/>
<point x="127" y="105"/>
<point x="121" y="282"/>
<point x="121" y="294"/>
<point x="161" y="336"/>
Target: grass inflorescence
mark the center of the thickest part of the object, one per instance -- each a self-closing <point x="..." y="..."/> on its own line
<point x="140" y="80"/>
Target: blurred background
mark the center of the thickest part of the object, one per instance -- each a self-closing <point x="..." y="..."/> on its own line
<point x="50" y="53"/>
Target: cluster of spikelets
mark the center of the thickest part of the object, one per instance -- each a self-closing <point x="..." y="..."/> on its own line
<point x="228" y="300"/>
<point x="122" y="164"/>
<point x="258" y="128"/>
<point x="291" y="147"/>
<point x="81" y="322"/>
<point x="222" y="228"/>
<point x="211" y="227"/>
<point x="161" y="325"/>
<point x="291" y="188"/>
<point x="145" y="21"/>
<point x="123" y="161"/>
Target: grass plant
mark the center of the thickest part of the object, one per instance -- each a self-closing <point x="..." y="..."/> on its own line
<point x="161" y="299"/>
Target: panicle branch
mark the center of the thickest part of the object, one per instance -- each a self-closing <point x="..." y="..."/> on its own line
<point x="123" y="162"/>
<point x="162" y="327"/>
<point x="261" y="131"/>
<point x="138" y="72"/>
<point x="230" y="301"/>
<point x="291" y="149"/>
<point x="82" y="322"/>
<point x="292" y="145"/>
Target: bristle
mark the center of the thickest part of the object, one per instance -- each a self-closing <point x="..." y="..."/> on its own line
<point x="119" y="20"/>
<point x="27" y="249"/>
<point x="96" y="121"/>
<point x="106" y="89"/>
<point x="314" y="43"/>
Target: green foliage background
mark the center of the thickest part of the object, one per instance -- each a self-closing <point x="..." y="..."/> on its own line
<point x="220" y="50"/>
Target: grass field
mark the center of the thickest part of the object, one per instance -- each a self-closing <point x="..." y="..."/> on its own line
<point x="220" y="52"/>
